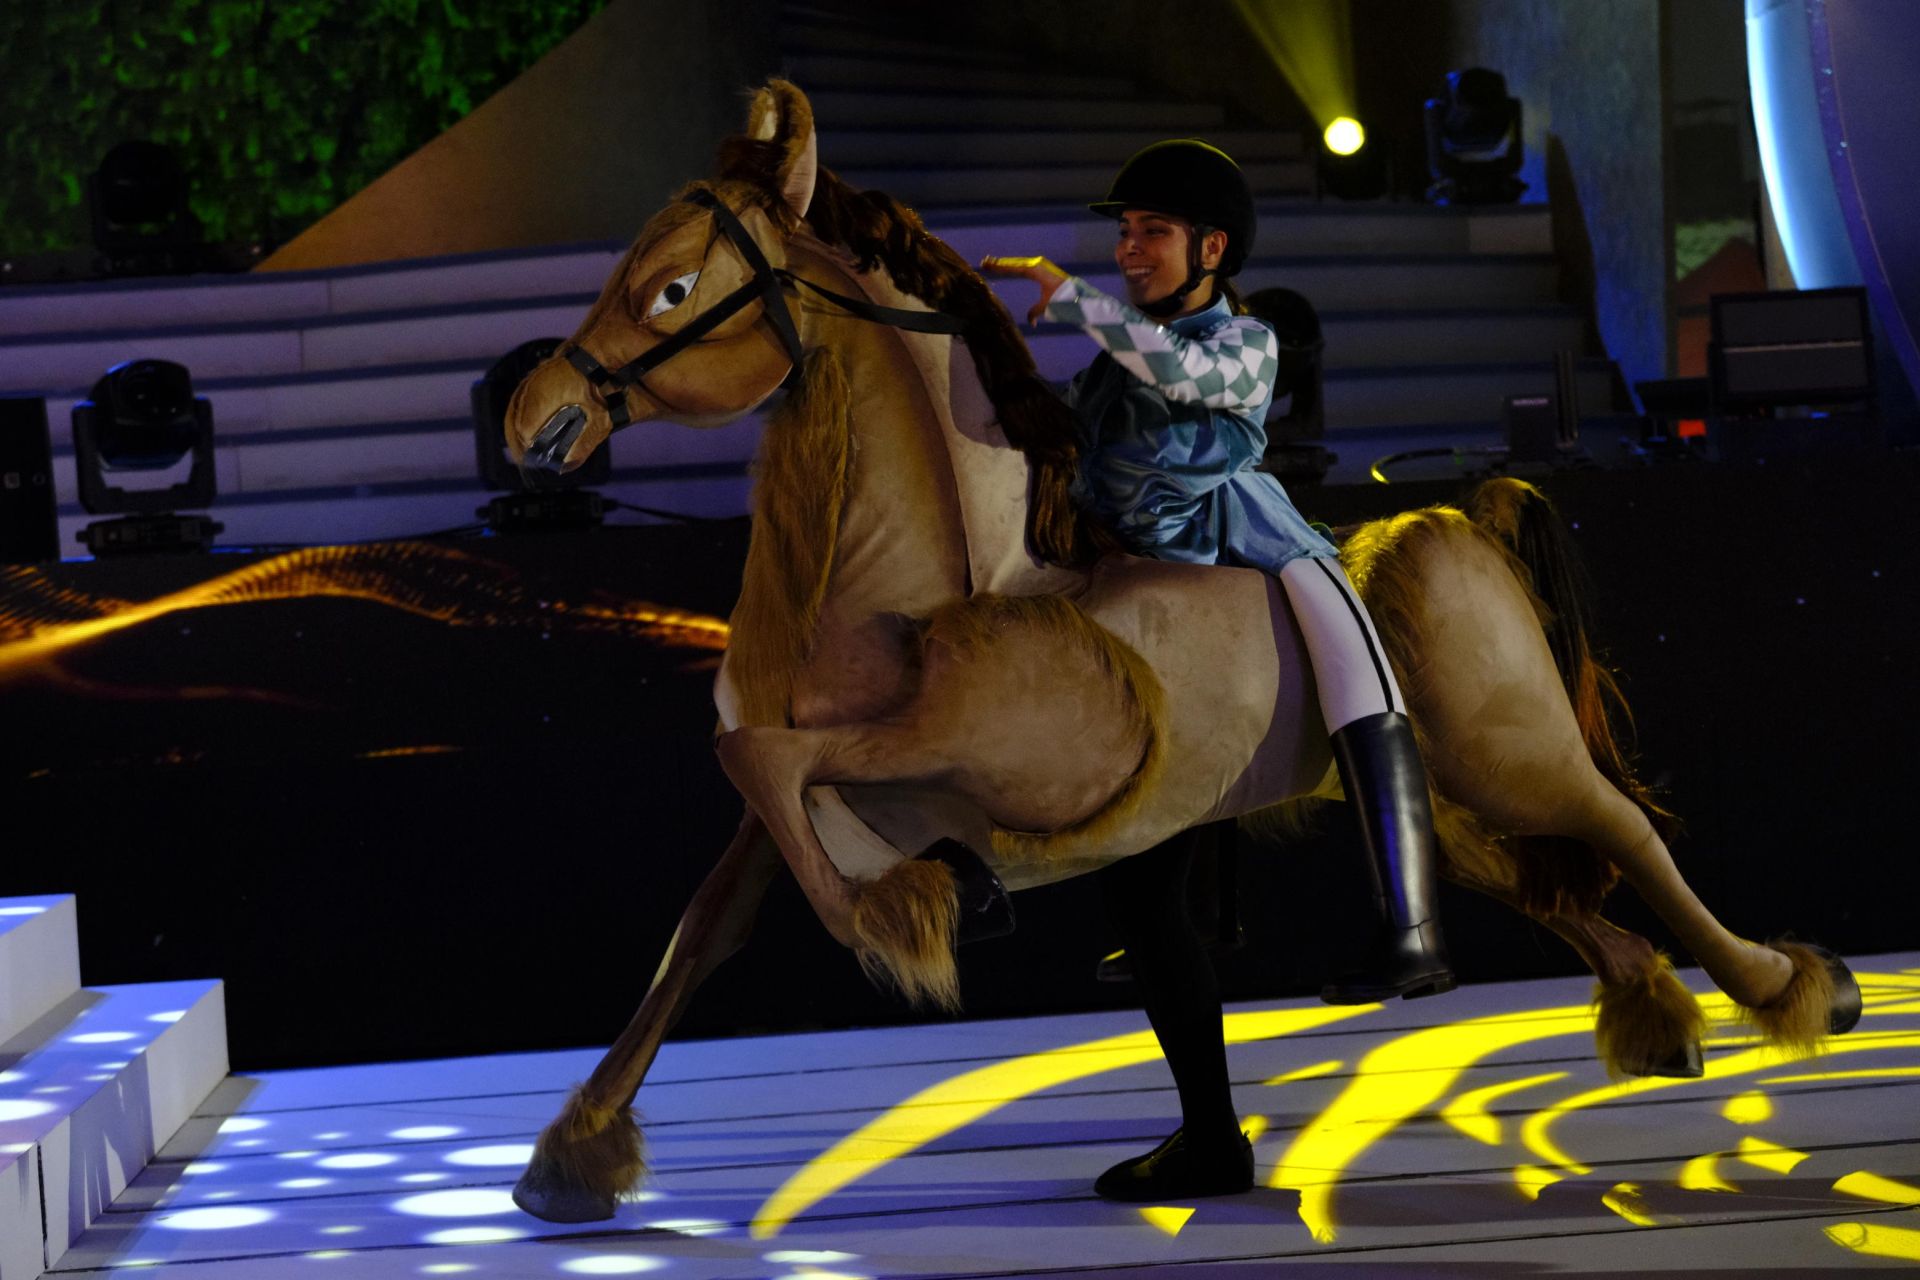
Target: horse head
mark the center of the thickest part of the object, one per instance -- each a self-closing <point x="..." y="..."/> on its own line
<point x="692" y="325"/>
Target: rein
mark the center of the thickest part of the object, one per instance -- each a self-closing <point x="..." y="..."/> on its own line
<point x="768" y="284"/>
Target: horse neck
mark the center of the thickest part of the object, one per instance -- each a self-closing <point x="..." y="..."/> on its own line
<point x="899" y="544"/>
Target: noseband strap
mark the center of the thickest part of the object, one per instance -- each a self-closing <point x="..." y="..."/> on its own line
<point x="767" y="284"/>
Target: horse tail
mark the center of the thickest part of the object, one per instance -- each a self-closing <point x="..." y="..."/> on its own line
<point x="1524" y="521"/>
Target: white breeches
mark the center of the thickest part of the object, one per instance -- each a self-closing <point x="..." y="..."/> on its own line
<point x="1349" y="664"/>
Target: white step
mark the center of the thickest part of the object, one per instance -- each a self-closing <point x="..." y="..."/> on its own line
<point x="272" y="299"/>
<point x="1004" y="184"/>
<point x="875" y="148"/>
<point x="1448" y="395"/>
<point x="1379" y="339"/>
<point x="818" y="72"/>
<point x="39" y="958"/>
<point x="851" y="109"/>
<point x="1297" y="228"/>
<point x="800" y="35"/>
<point x="99" y="1086"/>
<point x="467" y="332"/>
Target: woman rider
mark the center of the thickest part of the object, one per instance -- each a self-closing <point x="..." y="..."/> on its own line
<point x="1172" y="415"/>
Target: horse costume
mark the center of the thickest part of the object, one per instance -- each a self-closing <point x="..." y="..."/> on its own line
<point x="931" y="651"/>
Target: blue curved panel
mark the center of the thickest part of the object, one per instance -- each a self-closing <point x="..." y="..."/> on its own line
<point x="1866" y="57"/>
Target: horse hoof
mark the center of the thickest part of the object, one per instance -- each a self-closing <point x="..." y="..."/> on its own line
<point x="553" y="1201"/>
<point x="1682" y="1063"/>
<point x="1843" y="1015"/>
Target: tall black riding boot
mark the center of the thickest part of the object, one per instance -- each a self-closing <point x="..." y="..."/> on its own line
<point x="1386" y="782"/>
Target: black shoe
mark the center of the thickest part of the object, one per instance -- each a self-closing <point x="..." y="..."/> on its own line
<point x="986" y="910"/>
<point x="1173" y="1171"/>
<point x="1381" y="771"/>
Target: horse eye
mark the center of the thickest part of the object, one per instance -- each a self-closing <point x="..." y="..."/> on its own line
<point x="676" y="292"/>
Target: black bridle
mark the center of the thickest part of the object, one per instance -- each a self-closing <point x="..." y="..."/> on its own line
<point x="767" y="284"/>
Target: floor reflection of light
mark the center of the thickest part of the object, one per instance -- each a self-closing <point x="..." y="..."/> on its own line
<point x="171" y="1015"/>
<point x="322" y="1255"/>
<point x="689" y="1226"/>
<point x="474" y="1235"/>
<point x="305" y="1184"/>
<point x="357" y="1160"/>
<point x="16" y="1148"/>
<point x="423" y="1177"/>
<point x="505" y="1156"/>
<point x="101" y="1037"/>
<point x="21" y="911"/>
<point x="51" y="1088"/>
<point x="445" y="1268"/>
<point x="332" y="1137"/>
<point x="472" y="1202"/>
<point x="221" y="1219"/>
<point x="241" y="1124"/>
<point x="21" y="1108"/>
<point x="114" y="1066"/>
<point x="295" y="1155"/>
<point x="340" y="1230"/>
<point x="612" y="1264"/>
<point x="808" y="1255"/>
<point x="202" y="1166"/>
<point x="427" y="1132"/>
<point x="12" y="1077"/>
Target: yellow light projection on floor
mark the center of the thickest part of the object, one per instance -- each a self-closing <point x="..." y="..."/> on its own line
<point x="1410" y="1076"/>
<point x="953" y="1104"/>
<point x="42" y="619"/>
<point x="1876" y="1241"/>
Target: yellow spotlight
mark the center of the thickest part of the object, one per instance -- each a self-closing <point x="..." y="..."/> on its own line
<point x="1345" y="136"/>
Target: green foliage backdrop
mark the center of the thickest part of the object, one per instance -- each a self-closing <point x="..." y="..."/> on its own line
<point x="279" y="109"/>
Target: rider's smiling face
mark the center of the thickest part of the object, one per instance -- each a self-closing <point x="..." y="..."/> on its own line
<point x="1151" y="253"/>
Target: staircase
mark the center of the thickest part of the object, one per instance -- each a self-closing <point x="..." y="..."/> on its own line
<point x="340" y="397"/>
<point x="93" y="1081"/>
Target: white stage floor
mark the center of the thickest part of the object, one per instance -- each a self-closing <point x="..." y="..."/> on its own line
<point x="1468" y="1135"/>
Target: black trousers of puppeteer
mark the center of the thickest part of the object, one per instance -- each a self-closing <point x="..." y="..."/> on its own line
<point x="1146" y="899"/>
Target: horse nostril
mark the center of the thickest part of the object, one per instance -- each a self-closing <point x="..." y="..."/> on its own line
<point x="555" y="440"/>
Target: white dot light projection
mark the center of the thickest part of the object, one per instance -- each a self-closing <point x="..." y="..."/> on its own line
<point x="21" y="911"/>
<point x="241" y="1124"/>
<point x="225" y="1218"/>
<point x="612" y="1264"/>
<point x="472" y="1202"/>
<point x="22" y="1108"/>
<point x="427" y="1132"/>
<point x="509" y="1155"/>
<point x="474" y="1235"/>
<point x="357" y="1160"/>
<point x="101" y="1037"/>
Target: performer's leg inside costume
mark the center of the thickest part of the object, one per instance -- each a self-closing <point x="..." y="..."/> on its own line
<point x="1146" y="897"/>
<point x="1382" y="774"/>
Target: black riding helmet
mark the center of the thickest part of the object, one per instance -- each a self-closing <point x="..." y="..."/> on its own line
<point x="1189" y="179"/>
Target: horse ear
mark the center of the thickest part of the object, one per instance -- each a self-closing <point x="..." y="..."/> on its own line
<point x="781" y="113"/>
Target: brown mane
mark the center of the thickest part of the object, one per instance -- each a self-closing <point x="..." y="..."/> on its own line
<point x="880" y="231"/>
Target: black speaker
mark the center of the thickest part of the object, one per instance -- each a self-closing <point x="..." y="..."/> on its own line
<point x="29" y="527"/>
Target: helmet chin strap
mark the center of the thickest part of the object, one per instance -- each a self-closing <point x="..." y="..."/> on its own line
<point x="1196" y="276"/>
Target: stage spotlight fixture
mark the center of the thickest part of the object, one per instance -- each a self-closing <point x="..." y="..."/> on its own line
<point x="1345" y="136"/>
<point x="142" y="224"/>
<point x="1348" y="168"/>
<point x="1294" y="454"/>
<point x="143" y="417"/>
<point x="1474" y="144"/>
<point x="532" y="499"/>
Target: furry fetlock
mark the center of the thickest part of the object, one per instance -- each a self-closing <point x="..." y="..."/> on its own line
<point x="1649" y="1025"/>
<point x="906" y="922"/>
<point x="1799" y="1018"/>
<point x="585" y="1161"/>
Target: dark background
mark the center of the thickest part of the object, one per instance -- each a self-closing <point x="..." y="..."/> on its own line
<point x="515" y="888"/>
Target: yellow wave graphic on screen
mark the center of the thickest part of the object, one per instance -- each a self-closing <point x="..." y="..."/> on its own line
<point x="40" y="619"/>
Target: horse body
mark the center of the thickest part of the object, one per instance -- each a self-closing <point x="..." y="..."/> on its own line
<point x="903" y="669"/>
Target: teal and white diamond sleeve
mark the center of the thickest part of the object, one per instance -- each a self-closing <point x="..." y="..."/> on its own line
<point x="1231" y="368"/>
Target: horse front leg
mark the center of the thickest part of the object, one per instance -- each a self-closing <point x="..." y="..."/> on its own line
<point x="591" y="1154"/>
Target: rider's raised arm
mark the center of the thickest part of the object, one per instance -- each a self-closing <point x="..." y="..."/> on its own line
<point x="1231" y="368"/>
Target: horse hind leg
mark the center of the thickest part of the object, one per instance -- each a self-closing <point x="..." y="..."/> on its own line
<point x="1794" y="995"/>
